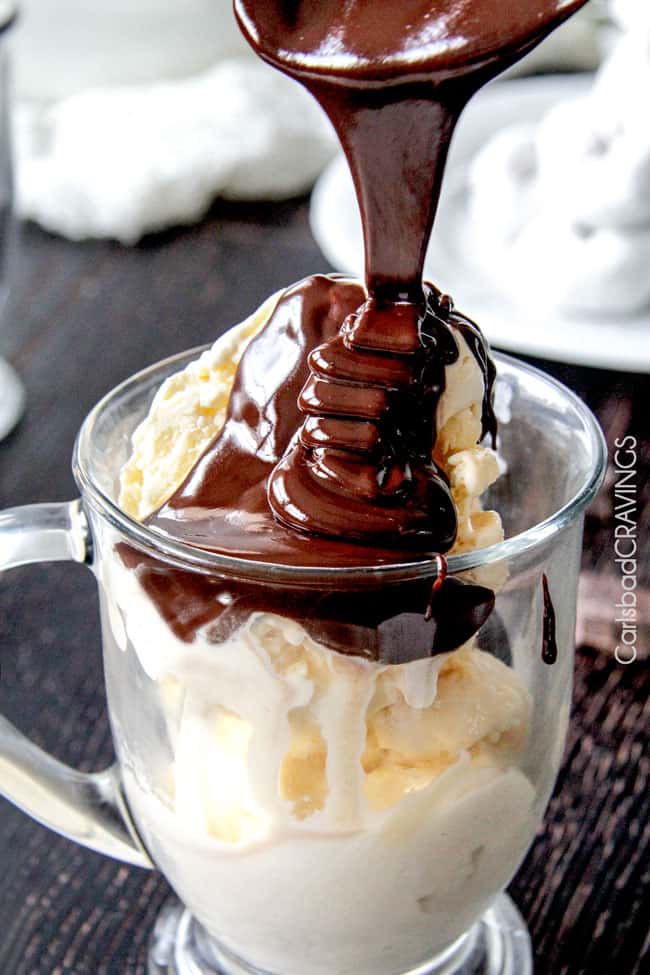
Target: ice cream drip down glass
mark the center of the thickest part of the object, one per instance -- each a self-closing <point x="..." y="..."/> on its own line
<point x="320" y="813"/>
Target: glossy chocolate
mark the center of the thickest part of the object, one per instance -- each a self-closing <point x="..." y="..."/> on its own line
<point x="325" y="458"/>
<point x="383" y="41"/>
<point x="223" y="505"/>
<point x="402" y="622"/>
<point x="549" y="644"/>
<point x="361" y="468"/>
<point x="393" y="78"/>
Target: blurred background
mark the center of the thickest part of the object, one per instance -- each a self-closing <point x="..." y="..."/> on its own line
<point x="163" y="188"/>
<point x="131" y="120"/>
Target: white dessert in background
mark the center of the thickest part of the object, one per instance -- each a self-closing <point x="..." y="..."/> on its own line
<point x="329" y="813"/>
<point x="561" y="209"/>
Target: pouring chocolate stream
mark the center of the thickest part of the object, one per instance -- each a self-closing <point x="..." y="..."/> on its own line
<point x="393" y="79"/>
<point x="326" y="454"/>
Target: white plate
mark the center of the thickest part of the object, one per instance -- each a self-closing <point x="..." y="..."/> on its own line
<point x="607" y="342"/>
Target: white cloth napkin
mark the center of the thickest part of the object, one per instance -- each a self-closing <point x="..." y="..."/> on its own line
<point x="124" y="162"/>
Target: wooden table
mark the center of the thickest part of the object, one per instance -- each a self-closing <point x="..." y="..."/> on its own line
<point x="82" y="318"/>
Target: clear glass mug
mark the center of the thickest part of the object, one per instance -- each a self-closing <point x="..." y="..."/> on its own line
<point x="318" y="813"/>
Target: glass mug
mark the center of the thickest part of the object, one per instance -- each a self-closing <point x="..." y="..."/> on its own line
<point x="318" y="813"/>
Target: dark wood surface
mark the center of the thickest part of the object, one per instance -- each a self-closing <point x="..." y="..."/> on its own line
<point x="83" y="317"/>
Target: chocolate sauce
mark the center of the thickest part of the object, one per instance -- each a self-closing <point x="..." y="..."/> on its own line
<point x="325" y="458"/>
<point x="549" y="646"/>
<point x="393" y="78"/>
<point x="223" y="505"/>
<point x="403" y="622"/>
<point x="362" y="468"/>
<point x="367" y="373"/>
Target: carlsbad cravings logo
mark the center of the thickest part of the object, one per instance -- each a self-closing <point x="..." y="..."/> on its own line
<point x="626" y="545"/>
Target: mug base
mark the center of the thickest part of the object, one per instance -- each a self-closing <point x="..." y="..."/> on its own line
<point x="498" y="944"/>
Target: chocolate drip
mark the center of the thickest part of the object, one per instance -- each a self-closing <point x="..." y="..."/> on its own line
<point x="325" y="458"/>
<point x="223" y="504"/>
<point x="393" y="79"/>
<point x="479" y="349"/>
<point x="401" y="622"/>
<point x="549" y="645"/>
<point x="362" y="465"/>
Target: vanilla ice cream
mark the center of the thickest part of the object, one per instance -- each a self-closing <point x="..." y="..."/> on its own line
<point x="310" y="804"/>
<point x="320" y="813"/>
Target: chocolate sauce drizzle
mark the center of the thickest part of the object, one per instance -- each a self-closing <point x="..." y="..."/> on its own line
<point x="362" y="465"/>
<point x="223" y="504"/>
<point x="226" y="502"/>
<point x="403" y="622"/>
<point x="393" y="79"/>
<point x="549" y="645"/>
<point x="325" y="458"/>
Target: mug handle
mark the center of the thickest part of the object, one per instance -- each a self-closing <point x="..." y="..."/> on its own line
<point x="88" y="808"/>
